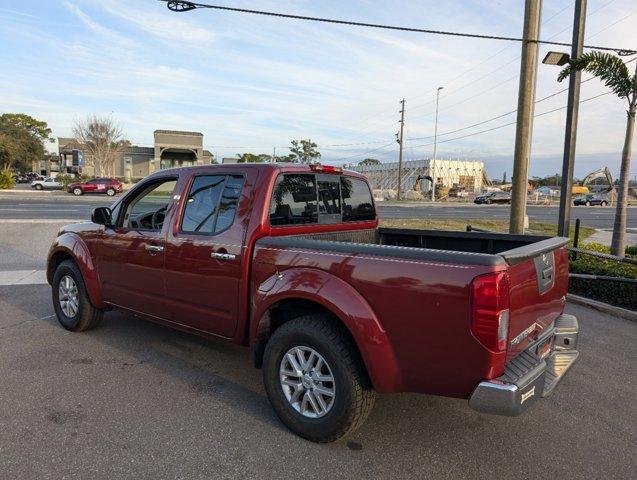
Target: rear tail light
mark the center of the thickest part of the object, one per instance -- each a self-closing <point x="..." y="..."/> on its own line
<point x="490" y="310"/>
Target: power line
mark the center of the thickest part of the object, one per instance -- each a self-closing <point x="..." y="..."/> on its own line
<point x="510" y="123"/>
<point x="185" y="6"/>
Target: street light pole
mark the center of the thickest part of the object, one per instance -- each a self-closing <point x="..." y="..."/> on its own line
<point x="570" y="134"/>
<point x="433" y="177"/>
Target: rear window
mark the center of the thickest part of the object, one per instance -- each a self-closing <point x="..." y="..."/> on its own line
<point x="307" y="198"/>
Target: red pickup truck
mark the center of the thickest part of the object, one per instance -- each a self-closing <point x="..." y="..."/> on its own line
<point x="289" y="260"/>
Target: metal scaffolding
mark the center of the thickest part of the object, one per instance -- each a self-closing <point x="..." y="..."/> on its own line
<point x="446" y="172"/>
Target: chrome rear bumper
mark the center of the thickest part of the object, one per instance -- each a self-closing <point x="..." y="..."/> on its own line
<point x="528" y="378"/>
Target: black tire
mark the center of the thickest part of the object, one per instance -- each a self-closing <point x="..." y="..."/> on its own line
<point x="488" y="202"/>
<point x="77" y="191"/>
<point x="354" y="397"/>
<point x="38" y="186"/>
<point x="87" y="316"/>
<point x="604" y="203"/>
<point x="110" y="192"/>
<point x="588" y="204"/>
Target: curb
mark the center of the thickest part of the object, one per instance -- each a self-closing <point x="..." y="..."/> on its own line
<point x="31" y="192"/>
<point x="603" y="307"/>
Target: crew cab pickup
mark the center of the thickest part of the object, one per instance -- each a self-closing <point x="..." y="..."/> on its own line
<point x="290" y="261"/>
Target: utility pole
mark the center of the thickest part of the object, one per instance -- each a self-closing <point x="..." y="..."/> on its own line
<point x="433" y="176"/>
<point x="274" y="155"/>
<point x="399" y="139"/>
<point x="524" y="127"/>
<point x="570" y="133"/>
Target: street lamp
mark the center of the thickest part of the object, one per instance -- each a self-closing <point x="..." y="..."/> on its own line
<point x="433" y="161"/>
<point x="556" y="58"/>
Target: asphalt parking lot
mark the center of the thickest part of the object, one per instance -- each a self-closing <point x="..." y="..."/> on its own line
<point x="136" y="400"/>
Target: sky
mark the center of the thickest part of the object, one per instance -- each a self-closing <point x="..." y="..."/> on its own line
<point x="252" y="83"/>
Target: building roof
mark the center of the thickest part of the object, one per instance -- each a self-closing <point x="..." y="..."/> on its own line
<point x="179" y="132"/>
<point x="140" y="150"/>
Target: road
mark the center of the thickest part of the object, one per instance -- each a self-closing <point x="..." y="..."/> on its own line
<point x="51" y="206"/>
<point x="136" y="400"/>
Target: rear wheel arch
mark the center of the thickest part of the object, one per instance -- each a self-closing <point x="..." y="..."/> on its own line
<point x="360" y="325"/>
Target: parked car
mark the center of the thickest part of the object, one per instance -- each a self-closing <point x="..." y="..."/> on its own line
<point x="592" y="199"/>
<point x="289" y="260"/>
<point x="109" y="186"/>
<point x="493" y="197"/>
<point x="47" y="183"/>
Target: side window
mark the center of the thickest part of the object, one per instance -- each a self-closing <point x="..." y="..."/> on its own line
<point x="146" y="211"/>
<point x="229" y="202"/>
<point x="357" y="200"/>
<point x="212" y="203"/>
<point x="294" y="200"/>
<point x="202" y="204"/>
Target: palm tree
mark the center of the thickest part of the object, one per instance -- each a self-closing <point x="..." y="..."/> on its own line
<point x="614" y="73"/>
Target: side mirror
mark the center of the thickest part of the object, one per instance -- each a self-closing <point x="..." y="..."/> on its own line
<point x="102" y="216"/>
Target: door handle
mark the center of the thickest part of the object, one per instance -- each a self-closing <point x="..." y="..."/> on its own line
<point x="154" y="248"/>
<point x="223" y="256"/>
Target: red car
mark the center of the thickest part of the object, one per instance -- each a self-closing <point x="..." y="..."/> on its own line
<point x="109" y="186"/>
<point x="289" y="260"/>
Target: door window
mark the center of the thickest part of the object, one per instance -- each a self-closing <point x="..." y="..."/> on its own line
<point x="147" y="209"/>
<point x="211" y="204"/>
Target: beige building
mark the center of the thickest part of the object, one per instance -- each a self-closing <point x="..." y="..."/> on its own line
<point x="172" y="148"/>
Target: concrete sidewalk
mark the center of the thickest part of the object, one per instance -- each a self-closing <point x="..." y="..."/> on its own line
<point x="604" y="236"/>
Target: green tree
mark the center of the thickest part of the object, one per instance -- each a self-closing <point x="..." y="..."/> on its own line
<point x="370" y="161"/>
<point x="21" y="140"/>
<point x="304" y="151"/>
<point x="615" y="74"/>
<point x="252" y="158"/>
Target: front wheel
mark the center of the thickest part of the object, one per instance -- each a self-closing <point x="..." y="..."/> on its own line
<point x="72" y="306"/>
<point x="588" y="204"/>
<point x="38" y="187"/>
<point x="604" y="204"/>
<point x="77" y="192"/>
<point x="315" y="379"/>
<point x="110" y="192"/>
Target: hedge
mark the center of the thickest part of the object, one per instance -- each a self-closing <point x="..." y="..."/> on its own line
<point x="616" y="293"/>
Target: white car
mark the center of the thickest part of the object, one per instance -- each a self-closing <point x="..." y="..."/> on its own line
<point x="46" y="184"/>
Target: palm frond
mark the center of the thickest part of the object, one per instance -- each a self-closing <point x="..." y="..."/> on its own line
<point x="608" y="68"/>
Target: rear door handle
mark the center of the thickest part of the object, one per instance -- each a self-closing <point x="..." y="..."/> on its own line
<point x="223" y="256"/>
<point x="154" y="248"/>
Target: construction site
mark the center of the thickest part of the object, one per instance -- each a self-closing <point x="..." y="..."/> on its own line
<point x="418" y="176"/>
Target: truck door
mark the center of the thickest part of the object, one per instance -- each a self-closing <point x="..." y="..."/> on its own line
<point x="130" y="255"/>
<point x="205" y="253"/>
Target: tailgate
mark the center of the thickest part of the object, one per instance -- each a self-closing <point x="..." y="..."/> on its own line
<point x="538" y="276"/>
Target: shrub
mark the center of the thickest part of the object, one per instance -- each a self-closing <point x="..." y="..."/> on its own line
<point x="66" y="179"/>
<point x="631" y="250"/>
<point x="6" y="180"/>
<point x="615" y="293"/>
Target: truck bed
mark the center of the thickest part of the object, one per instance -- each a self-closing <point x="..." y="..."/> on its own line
<point x="418" y="284"/>
<point x="475" y="248"/>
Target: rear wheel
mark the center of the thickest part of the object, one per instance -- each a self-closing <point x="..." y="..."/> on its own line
<point x="38" y="187"/>
<point x="588" y="204"/>
<point x="72" y="306"/>
<point x="488" y="202"/>
<point x="315" y="379"/>
<point x="77" y="191"/>
<point x="604" y="203"/>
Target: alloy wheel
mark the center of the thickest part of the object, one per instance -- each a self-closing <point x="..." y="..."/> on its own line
<point x="68" y="297"/>
<point x="307" y="381"/>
